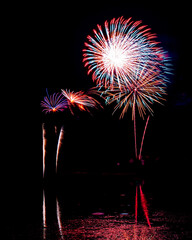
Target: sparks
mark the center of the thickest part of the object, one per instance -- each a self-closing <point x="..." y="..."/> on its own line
<point x="145" y="89"/>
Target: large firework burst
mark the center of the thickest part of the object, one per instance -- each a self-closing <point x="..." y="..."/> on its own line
<point x="141" y="93"/>
<point x="115" y="54"/>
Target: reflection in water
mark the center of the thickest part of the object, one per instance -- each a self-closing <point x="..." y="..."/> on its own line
<point x="136" y="205"/>
<point x="108" y="227"/>
<point x="115" y="227"/>
<point x="58" y="214"/>
<point x="144" y="206"/>
<point x="101" y="226"/>
<point x="44" y="216"/>
<point x="119" y="215"/>
<point x="59" y="219"/>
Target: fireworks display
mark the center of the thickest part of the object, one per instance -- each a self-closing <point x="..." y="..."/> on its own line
<point x="114" y="54"/>
<point x="130" y="69"/>
<point x="59" y="102"/>
<point x="54" y="103"/>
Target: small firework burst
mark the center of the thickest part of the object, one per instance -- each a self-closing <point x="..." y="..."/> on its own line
<point x="54" y="103"/>
<point x="79" y="99"/>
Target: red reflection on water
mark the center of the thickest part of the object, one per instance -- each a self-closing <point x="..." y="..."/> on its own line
<point x="59" y="219"/>
<point x="106" y="228"/>
<point x="98" y="214"/>
<point x="144" y="206"/>
<point x="136" y="206"/>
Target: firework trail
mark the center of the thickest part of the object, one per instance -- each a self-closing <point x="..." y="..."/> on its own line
<point x="79" y="99"/>
<point x="44" y="147"/>
<point x="135" y="133"/>
<point x="54" y="103"/>
<point x="143" y="137"/>
<point x="61" y="136"/>
<point x="144" y="206"/>
<point x="121" y="49"/>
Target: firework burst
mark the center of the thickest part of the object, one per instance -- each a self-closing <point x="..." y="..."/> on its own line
<point x="54" y="103"/>
<point x="79" y="99"/>
<point x="142" y="92"/>
<point x="115" y="54"/>
<point x="145" y="89"/>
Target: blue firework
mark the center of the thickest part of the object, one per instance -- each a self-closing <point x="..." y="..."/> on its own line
<point x="54" y="103"/>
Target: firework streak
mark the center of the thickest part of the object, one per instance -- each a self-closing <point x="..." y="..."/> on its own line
<point x="143" y="137"/>
<point x="44" y="147"/>
<point x="61" y="136"/>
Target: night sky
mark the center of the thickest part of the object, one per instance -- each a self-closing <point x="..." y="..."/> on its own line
<point x="57" y="38"/>
<point x="61" y="40"/>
